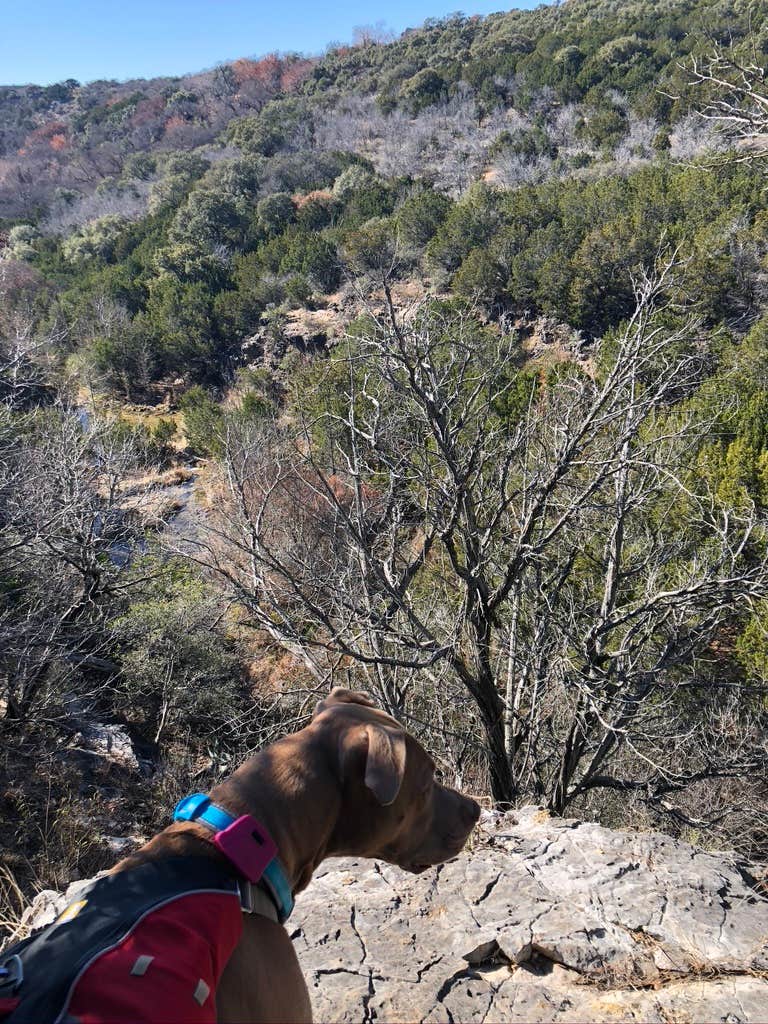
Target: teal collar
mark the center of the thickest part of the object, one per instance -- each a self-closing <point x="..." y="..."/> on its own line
<point x="245" y="843"/>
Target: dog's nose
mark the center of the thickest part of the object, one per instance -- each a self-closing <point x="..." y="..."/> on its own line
<point x="470" y="812"/>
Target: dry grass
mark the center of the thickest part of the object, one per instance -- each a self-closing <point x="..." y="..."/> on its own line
<point x="147" y="416"/>
<point x="635" y="976"/>
<point x="152" y="509"/>
<point x="167" y="478"/>
<point x="13" y="903"/>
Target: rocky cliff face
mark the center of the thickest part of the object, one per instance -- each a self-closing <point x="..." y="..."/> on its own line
<point x="544" y="919"/>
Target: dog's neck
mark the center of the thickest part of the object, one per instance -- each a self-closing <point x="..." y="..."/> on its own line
<point x="291" y="789"/>
<point x="294" y="794"/>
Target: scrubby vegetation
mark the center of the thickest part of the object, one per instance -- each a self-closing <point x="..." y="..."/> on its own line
<point x="434" y="366"/>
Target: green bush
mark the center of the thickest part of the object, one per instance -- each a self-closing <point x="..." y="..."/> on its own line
<point x="275" y="212"/>
<point x="316" y="211"/>
<point x="315" y="258"/>
<point x="180" y="674"/>
<point x="95" y="240"/>
<point x="274" y="127"/>
<point x="604" y="126"/>
<point x="419" y="216"/>
<point x="203" y="421"/>
<point x="423" y="89"/>
<point x="372" y="249"/>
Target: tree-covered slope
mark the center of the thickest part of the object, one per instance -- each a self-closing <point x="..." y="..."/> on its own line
<point x="176" y="219"/>
<point x="61" y="142"/>
<point x="463" y="338"/>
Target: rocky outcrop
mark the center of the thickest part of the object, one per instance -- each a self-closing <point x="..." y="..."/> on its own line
<point x="543" y="920"/>
<point x="550" y="339"/>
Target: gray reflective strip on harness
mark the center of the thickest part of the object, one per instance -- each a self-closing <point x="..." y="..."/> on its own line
<point x="254" y="900"/>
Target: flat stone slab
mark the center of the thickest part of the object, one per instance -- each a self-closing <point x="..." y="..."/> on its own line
<point x="545" y="919"/>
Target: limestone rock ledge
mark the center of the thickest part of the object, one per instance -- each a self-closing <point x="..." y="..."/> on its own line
<point x="544" y="919"/>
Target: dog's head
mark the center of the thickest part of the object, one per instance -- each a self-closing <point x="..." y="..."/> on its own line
<point x="392" y="807"/>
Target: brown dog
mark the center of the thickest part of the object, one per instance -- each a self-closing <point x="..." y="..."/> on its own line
<point x="353" y="782"/>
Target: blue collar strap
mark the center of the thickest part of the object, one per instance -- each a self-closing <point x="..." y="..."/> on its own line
<point x="246" y="843"/>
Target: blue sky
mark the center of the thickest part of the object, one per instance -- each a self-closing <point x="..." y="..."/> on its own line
<point x="45" y="41"/>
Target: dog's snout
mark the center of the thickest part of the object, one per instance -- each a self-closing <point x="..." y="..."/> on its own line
<point x="470" y="812"/>
<point x="461" y="811"/>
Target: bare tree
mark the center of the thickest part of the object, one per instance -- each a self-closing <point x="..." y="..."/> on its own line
<point x="736" y="100"/>
<point x="377" y="34"/>
<point x="63" y="539"/>
<point x="443" y="523"/>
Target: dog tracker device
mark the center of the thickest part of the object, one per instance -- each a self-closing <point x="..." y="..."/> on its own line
<point x="248" y="845"/>
<point x="245" y="843"/>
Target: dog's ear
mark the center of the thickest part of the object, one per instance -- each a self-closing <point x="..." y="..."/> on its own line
<point x="385" y="763"/>
<point x="374" y="754"/>
<point x="339" y="695"/>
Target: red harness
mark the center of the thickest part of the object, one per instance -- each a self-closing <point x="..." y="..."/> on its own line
<point x="148" y="945"/>
<point x="144" y="946"/>
<point x="166" y="969"/>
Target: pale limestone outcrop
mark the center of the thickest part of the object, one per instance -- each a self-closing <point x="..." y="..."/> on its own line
<point x="543" y="920"/>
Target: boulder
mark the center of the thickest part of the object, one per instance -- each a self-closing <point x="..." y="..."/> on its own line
<point x="544" y="919"/>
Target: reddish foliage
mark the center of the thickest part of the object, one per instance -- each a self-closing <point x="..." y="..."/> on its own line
<point x="47" y="131"/>
<point x="18" y="281"/>
<point x="173" y="123"/>
<point x="244" y="70"/>
<point x="265" y="71"/>
<point x="147" y="110"/>
<point x="295" y="73"/>
<point x="44" y="135"/>
<point x="53" y="135"/>
<point x="273" y="73"/>
<point x="271" y="669"/>
<point x="319" y="195"/>
<point x="343" y="491"/>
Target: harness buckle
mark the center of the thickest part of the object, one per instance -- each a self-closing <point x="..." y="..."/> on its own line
<point x="246" y="895"/>
<point x="254" y="900"/>
<point x="11" y="973"/>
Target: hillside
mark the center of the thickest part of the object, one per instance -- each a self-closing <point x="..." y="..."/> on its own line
<point x="437" y="367"/>
<point x="65" y="143"/>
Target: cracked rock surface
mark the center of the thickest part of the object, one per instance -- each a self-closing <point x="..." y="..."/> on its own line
<point x="546" y="919"/>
